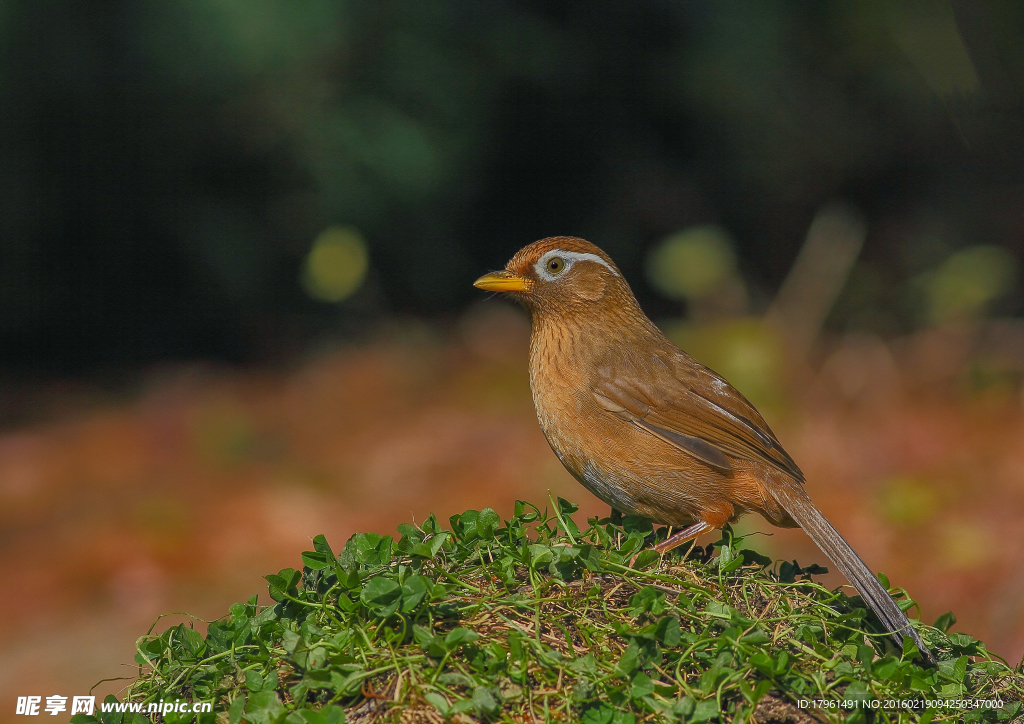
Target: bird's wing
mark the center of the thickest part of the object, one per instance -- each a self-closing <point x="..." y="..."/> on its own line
<point x="674" y="397"/>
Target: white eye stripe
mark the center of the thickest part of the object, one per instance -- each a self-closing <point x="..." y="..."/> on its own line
<point x="570" y="258"/>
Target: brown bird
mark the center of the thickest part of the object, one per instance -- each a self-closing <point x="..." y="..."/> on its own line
<point x="648" y="429"/>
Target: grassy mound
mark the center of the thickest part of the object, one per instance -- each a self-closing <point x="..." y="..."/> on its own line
<point x="533" y="620"/>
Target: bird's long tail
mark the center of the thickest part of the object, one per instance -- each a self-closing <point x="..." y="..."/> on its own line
<point x="833" y="545"/>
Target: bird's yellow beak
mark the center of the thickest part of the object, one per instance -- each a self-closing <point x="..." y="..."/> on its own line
<point x="503" y="281"/>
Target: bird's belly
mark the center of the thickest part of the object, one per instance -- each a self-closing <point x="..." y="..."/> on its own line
<point x="617" y="466"/>
<point x="611" y="490"/>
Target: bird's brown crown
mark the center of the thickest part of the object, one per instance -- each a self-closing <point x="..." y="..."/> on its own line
<point x="565" y="274"/>
<point x="525" y="259"/>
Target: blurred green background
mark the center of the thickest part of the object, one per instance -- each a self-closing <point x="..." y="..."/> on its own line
<point x="236" y="179"/>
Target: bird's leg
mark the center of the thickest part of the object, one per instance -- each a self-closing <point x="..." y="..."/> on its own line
<point x="712" y="517"/>
<point x="677" y="539"/>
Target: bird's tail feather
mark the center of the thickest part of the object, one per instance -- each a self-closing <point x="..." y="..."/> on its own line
<point x="833" y="545"/>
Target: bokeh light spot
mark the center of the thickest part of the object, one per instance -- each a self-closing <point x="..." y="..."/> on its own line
<point x="336" y="265"/>
<point x="967" y="544"/>
<point x="692" y="263"/>
<point x="967" y="281"/>
<point x="749" y="354"/>
<point x="908" y="501"/>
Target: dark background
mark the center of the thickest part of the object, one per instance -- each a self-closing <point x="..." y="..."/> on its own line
<point x="166" y="166"/>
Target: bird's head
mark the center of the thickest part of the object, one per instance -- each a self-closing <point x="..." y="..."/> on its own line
<point x="561" y="274"/>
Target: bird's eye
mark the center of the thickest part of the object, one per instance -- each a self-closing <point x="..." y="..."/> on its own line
<point x="556" y="264"/>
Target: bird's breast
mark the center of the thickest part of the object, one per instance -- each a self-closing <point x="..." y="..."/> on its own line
<point x="558" y="375"/>
<point x="608" y="456"/>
